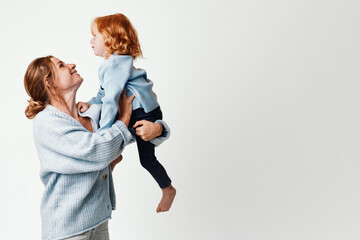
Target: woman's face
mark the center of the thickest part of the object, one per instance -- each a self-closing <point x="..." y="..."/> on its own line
<point x="67" y="79"/>
<point x="97" y="42"/>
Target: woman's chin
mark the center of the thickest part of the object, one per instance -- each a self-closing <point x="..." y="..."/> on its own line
<point x="79" y="82"/>
<point x="80" y="79"/>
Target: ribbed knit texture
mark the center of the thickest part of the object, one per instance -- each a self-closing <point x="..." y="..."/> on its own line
<point x="116" y="74"/>
<point x="73" y="162"/>
<point x="79" y="193"/>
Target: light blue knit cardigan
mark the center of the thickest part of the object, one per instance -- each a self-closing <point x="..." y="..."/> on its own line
<point x="79" y="193"/>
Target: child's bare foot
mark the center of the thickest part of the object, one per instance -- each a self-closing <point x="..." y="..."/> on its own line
<point x="167" y="199"/>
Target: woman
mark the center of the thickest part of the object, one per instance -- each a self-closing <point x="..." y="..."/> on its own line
<point x="76" y="162"/>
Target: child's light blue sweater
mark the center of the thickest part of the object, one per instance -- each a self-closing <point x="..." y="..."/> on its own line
<point x="116" y="74"/>
<point x="79" y="193"/>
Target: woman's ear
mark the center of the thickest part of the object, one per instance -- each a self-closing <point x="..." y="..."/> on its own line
<point x="46" y="82"/>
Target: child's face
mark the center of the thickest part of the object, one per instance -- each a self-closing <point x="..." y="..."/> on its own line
<point x="97" y="42"/>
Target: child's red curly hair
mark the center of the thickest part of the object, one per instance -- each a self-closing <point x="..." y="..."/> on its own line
<point x="119" y="35"/>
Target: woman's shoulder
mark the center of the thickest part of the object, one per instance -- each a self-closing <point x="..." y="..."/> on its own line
<point x="49" y="112"/>
<point x="51" y="117"/>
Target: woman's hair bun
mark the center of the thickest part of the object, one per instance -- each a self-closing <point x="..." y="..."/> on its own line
<point x="33" y="108"/>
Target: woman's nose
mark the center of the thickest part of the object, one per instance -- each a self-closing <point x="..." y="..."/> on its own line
<point x="71" y="65"/>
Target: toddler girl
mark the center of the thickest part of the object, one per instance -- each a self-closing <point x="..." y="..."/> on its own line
<point x="115" y="39"/>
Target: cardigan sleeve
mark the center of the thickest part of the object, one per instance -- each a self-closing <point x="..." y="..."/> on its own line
<point x="65" y="146"/>
<point x="164" y="136"/>
<point x="97" y="98"/>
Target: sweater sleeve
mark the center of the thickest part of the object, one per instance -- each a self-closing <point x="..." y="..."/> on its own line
<point x="97" y="99"/>
<point x="164" y="136"/>
<point x="66" y="147"/>
<point x="115" y="77"/>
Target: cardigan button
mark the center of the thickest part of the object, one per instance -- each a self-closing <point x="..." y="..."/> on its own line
<point x="104" y="176"/>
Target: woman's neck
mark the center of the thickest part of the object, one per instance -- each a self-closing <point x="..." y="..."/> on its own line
<point x="66" y="105"/>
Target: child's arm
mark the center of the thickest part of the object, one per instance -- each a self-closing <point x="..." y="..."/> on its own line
<point x="83" y="106"/>
<point x="97" y="99"/>
<point x="115" y="78"/>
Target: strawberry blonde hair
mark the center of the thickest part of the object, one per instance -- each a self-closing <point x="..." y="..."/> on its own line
<point x="119" y="35"/>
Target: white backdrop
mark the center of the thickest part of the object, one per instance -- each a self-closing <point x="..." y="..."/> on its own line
<point x="262" y="98"/>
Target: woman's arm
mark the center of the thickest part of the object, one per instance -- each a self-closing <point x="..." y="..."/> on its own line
<point x="165" y="134"/>
<point x="147" y="130"/>
<point x="66" y="147"/>
<point x="156" y="132"/>
<point x="115" y="162"/>
<point x="125" y="107"/>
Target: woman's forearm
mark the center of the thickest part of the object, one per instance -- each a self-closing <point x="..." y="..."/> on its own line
<point x="163" y="136"/>
<point x="158" y="129"/>
<point x="69" y="148"/>
<point x="125" y="108"/>
<point x="125" y="119"/>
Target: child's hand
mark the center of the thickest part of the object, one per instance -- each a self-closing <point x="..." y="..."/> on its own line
<point x="82" y="106"/>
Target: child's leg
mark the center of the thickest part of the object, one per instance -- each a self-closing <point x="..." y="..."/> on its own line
<point x="149" y="161"/>
<point x="153" y="166"/>
<point x="167" y="199"/>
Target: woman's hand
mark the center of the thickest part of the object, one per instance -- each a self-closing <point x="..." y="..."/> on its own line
<point x="125" y="107"/>
<point x="147" y="130"/>
<point x="116" y="161"/>
<point x="83" y="106"/>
